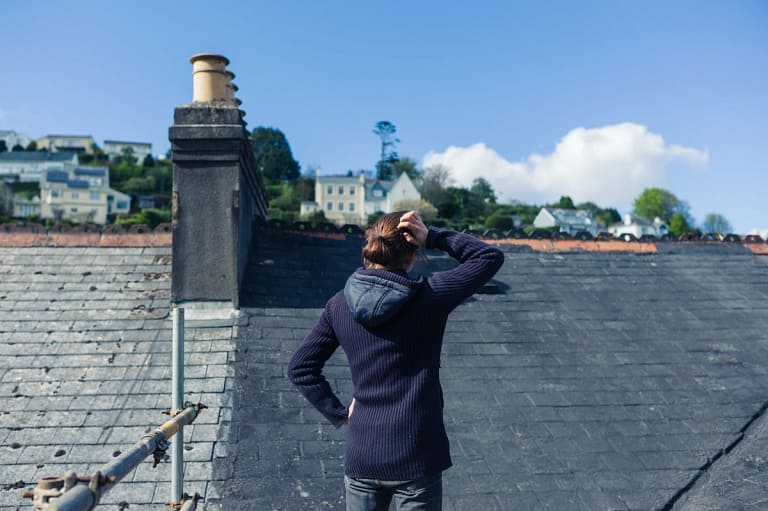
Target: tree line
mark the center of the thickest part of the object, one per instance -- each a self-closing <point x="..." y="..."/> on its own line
<point x="443" y="202"/>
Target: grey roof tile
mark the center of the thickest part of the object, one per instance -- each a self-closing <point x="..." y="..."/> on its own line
<point x="90" y="368"/>
<point x="592" y="381"/>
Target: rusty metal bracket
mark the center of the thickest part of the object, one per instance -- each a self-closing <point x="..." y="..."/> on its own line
<point x="159" y="453"/>
<point x="187" y="502"/>
<point x="49" y="489"/>
<point x="173" y="412"/>
<point x="96" y="482"/>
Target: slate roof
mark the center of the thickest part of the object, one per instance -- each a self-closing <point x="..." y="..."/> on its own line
<point x="57" y="176"/>
<point x="571" y="216"/>
<point x="339" y="179"/>
<point x="91" y="171"/>
<point x="592" y="381"/>
<point x="125" y="142"/>
<point x="85" y="369"/>
<point x="36" y="156"/>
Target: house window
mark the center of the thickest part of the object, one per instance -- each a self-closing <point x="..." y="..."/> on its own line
<point x="73" y="210"/>
<point x="377" y="193"/>
<point x="121" y="204"/>
<point x="329" y="190"/>
<point x="351" y="190"/>
<point x="341" y="190"/>
<point x="75" y="195"/>
<point x="329" y="206"/>
<point x="341" y="206"/>
<point x="94" y="212"/>
<point x="94" y="196"/>
<point x="351" y="206"/>
<point x="55" y="194"/>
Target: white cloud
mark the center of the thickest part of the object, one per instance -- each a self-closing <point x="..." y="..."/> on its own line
<point x="610" y="166"/>
<point x="763" y="233"/>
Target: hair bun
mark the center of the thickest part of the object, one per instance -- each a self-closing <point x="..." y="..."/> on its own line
<point x="386" y="244"/>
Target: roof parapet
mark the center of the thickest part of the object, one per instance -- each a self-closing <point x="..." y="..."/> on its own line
<point x="84" y="235"/>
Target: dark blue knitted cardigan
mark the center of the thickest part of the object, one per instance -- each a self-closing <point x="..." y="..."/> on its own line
<point x="391" y="329"/>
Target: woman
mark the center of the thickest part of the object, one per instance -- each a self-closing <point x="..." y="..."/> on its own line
<point x="391" y="329"/>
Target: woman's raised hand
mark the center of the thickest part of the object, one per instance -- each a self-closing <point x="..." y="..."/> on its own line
<point x="415" y="230"/>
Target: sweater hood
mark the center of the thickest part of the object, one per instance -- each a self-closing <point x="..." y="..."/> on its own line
<point x="375" y="296"/>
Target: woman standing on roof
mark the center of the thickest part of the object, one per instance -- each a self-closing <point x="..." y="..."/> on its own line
<point x="391" y="329"/>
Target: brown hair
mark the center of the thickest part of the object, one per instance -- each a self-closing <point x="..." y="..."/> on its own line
<point x="386" y="244"/>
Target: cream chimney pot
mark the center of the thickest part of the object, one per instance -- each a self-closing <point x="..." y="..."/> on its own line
<point x="209" y="78"/>
<point x="231" y="87"/>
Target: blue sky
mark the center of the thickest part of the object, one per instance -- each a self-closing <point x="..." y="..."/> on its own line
<point x="594" y="99"/>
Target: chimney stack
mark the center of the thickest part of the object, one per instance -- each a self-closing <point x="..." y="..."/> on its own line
<point x="218" y="193"/>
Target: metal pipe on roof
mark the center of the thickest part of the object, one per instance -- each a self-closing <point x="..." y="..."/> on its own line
<point x="177" y="403"/>
<point x="84" y="497"/>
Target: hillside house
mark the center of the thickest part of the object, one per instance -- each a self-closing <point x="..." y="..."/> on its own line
<point x="29" y="166"/>
<point x="69" y="143"/>
<point x="114" y="149"/>
<point x="351" y="199"/>
<point x="82" y="194"/>
<point x="13" y="138"/>
<point x="568" y="221"/>
<point x="639" y="226"/>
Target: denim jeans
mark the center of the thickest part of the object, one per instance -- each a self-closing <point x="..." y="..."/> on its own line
<point x="425" y="494"/>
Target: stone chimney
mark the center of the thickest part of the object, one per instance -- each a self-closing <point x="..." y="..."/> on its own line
<point x="218" y="193"/>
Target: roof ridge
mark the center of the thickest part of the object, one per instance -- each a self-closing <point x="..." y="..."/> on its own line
<point x="542" y="240"/>
<point x="84" y="235"/>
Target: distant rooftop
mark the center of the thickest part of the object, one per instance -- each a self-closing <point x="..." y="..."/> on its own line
<point x="571" y="215"/>
<point x="126" y="142"/>
<point x="57" y="176"/>
<point x="91" y="171"/>
<point x="37" y="156"/>
<point x="68" y="136"/>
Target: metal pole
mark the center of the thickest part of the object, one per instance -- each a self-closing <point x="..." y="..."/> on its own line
<point x="85" y="496"/>
<point x="177" y="403"/>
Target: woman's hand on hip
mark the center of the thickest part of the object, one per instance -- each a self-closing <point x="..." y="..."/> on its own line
<point x="351" y="409"/>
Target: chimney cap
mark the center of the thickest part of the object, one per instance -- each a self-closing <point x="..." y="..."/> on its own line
<point x="208" y="56"/>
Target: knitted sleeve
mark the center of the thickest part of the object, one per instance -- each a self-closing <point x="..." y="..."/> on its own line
<point x="305" y="370"/>
<point x="478" y="262"/>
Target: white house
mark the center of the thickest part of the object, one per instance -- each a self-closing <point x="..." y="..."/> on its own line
<point x="29" y="166"/>
<point x="81" y="194"/>
<point x="351" y="199"/>
<point x="68" y="143"/>
<point x="12" y="138"/>
<point x="569" y="221"/>
<point x="114" y="149"/>
<point x="639" y="226"/>
<point x="24" y="206"/>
